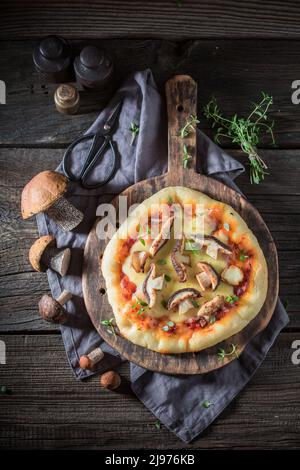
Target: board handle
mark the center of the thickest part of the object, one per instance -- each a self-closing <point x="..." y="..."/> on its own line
<point x="181" y="96"/>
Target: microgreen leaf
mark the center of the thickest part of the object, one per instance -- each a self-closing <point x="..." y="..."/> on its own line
<point x="109" y="325"/>
<point x="212" y="319"/>
<point x="195" y="303"/>
<point x="157" y="424"/>
<point x="168" y="278"/>
<point x="206" y="404"/>
<point x="246" y="132"/>
<point x="160" y="262"/>
<point x="231" y="299"/>
<point x="186" y="157"/>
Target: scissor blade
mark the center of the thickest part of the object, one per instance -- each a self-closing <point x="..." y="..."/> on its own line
<point x="112" y="118"/>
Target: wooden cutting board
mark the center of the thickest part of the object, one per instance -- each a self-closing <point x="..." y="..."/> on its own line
<point x="181" y="94"/>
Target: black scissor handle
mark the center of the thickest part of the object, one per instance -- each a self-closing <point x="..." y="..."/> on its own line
<point x="90" y="160"/>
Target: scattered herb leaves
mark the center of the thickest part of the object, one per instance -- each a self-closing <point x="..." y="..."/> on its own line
<point x="165" y="328"/>
<point x="167" y="278"/>
<point x="4" y="390"/>
<point x="226" y="226"/>
<point x="285" y="303"/>
<point x="195" y="303"/>
<point x="157" y="424"/>
<point x="231" y="299"/>
<point x="212" y="319"/>
<point x="164" y="303"/>
<point x="170" y="200"/>
<point x="134" y="129"/>
<point x="161" y="262"/>
<point x="246" y="132"/>
<point x="142" y="306"/>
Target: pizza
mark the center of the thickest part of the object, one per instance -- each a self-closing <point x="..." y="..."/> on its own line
<point x="183" y="272"/>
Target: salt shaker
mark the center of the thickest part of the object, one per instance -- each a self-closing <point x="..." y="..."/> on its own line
<point x="94" y="68"/>
<point x="52" y="59"/>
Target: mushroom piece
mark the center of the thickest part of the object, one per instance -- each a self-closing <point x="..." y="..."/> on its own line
<point x="44" y="193"/>
<point x="162" y="237"/>
<point x="152" y="284"/>
<point x="110" y="380"/>
<point x="212" y="244"/>
<point x="232" y="275"/>
<point x="52" y="310"/>
<point x="208" y="276"/>
<point x="182" y="298"/>
<point x="179" y="260"/>
<point x="211" y="307"/>
<point x="90" y="360"/>
<point x="138" y="260"/>
<point x="44" y="254"/>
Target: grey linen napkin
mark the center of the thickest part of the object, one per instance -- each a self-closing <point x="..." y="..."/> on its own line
<point x="174" y="400"/>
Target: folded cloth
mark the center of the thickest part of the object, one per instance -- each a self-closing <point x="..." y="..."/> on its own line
<point x="175" y="400"/>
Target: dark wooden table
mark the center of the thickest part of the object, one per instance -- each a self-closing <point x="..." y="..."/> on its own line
<point x="233" y="52"/>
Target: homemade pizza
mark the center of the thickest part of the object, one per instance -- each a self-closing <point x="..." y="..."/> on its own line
<point x="183" y="272"/>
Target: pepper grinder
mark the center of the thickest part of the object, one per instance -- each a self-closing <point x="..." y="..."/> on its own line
<point x="94" y="68"/>
<point x="52" y="59"/>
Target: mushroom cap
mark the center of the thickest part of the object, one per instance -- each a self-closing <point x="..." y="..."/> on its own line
<point x="37" y="249"/>
<point x="110" y="380"/>
<point x="50" y="310"/>
<point x="41" y="192"/>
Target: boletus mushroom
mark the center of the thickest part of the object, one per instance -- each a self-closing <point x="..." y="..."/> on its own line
<point x="52" y="310"/>
<point x="183" y="299"/>
<point x="138" y="260"/>
<point x="232" y="275"/>
<point x="110" y="380"/>
<point x="151" y="284"/>
<point x="207" y="277"/>
<point x="179" y="260"/>
<point x="44" y="254"/>
<point x="210" y="308"/>
<point x="90" y="360"/>
<point x="162" y="237"/>
<point x="44" y="193"/>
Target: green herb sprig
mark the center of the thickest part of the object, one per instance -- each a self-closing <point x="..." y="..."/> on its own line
<point x="134" y="129"/>
<point x="222" y="353"/>
<point x="246" y="132"/>
<point x="189" y="127"/>
<point x="109" y="325"/>
<point x="186" y="157"/>
<point x="206" y="404"/>
<point x="232" y="299"/>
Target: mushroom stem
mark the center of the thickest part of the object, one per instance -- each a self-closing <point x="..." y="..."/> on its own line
<point x="91" y="359"/>
<point x="57" y="259"/>
<point x="64" y="297"/>
<point x="64" y="214"/>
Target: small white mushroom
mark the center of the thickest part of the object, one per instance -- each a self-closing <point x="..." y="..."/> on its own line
<point x="207" y="277"/>
<point x="138" y="260"/>
<point x="232" y="275"/>
<point x="181" y="296"/>
<point x="179" y="260"/>
<point x="151" y="284"/>
<point x="162" y="237"/>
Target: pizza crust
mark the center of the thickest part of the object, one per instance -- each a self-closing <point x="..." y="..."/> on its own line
<point x="234" y="321"/>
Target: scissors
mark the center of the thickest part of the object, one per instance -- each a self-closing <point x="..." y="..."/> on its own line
<point x="101" y="141"/>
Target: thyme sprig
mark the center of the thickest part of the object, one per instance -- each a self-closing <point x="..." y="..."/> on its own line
<point x="246" y="132"/>
<point x="189" y="127"/>
<point x="109" y="325"/>
<point x="186" y="157"/>
<point x="222" y="353"/>
<point x="142" y="306"/>
<point x="134" y="129"/>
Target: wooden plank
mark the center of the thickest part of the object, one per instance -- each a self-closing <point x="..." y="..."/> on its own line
<point x="21" y="288"/>
<point x="48" y="409"/>
<point x="138" y="18"/>
<point x="234" y="71"/>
